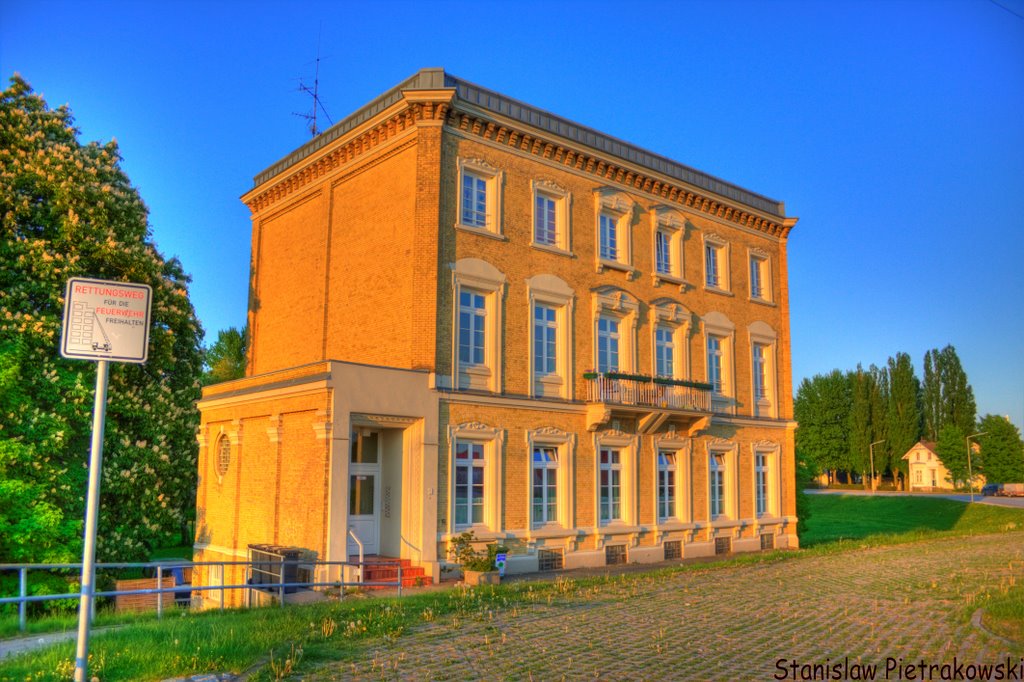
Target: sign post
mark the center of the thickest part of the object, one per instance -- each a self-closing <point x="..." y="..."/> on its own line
<point x="106" y="322"/>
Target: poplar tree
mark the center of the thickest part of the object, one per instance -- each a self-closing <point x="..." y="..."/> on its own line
<point x="67" y="209"/>
<point x="225" y="359"/>
<point x="903" y="411"/>
<point x="948" y="398"/>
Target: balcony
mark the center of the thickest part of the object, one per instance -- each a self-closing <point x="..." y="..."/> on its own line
<point x="651" y="401"/>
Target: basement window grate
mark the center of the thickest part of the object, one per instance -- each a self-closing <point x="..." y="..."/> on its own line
<point x="614" y="555"/>
<point x="767" y="540"/>
<point x="723" y="545"/>
<point x="674" y="549"/>
<point x="550" y="560"/>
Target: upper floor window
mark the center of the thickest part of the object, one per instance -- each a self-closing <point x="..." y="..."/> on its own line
<point x="550" y="351"/>
<point x="715" y="344"/>
<point x="479" y="197"/>
<point x="472" y="318"/>
<point x="550" y="216"/>
<point x="476" y="354"/>
<point x="719" y="343"/>
<point x="763" y="373"/>
<point x="662" y="252"/>
<point x="760" y="352"/>
<point x="666" y="485"/>
<point x="664" y="352"/>
<point x="716" y="263"/>
<point x="614" y="245"/>
<point x="669" y="228"/>
<point x="609" y="240"/>
<point x="607" y="344"/>
<point x="760" y="277"/>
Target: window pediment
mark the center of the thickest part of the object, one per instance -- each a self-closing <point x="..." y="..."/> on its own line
<point x="762" y="332"/>
<point x="668" y="216"/>
<point x="611" y="199"/>
<point x="670" y="311"/>
<point x="609" y="299"/>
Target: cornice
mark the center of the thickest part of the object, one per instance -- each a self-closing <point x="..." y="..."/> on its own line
<point x="416" y="109"/>
<point x="605" y="170"/>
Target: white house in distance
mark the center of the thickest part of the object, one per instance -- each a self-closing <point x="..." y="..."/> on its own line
<point x="927" y="472"/>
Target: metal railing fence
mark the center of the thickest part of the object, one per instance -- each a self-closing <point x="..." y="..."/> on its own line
<point x="164" y="569"/>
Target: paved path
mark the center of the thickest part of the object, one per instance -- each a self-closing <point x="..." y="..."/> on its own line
<point x="906" y="601"/>
<point x="1016" y="502"/>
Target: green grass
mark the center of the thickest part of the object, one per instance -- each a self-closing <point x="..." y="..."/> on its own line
<point x="189" y="643"/>
<point x="888" y="520"/>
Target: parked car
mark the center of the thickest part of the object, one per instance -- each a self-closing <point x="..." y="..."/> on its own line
<point x="1010" y="490"/>
<point x="989" y="489"/>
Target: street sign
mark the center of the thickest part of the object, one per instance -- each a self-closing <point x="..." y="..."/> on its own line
<point x="106" y="320"/>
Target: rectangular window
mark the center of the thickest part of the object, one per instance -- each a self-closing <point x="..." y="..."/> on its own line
<point x="761" y="483"/>
<point x="472" y="316"/>
<point x="545" y="230"/>
<point x="607" y="344"/>
<point x="611" y="486"/>
<point x="760" y="371"/>
<point x="469" y="483"/>
<point x="609" y="229"/>
<point x="474" y="200"/>
<point x="715" y="363"/>
<point x="664" y="352"/>
<point x="712" y="269"/>
<point x="666" y="485"/>
<point x="758" y="278"/>
<point x="545" y="485"/>
<point x="663" y="253"/>
<point x="545" y="332"/>
<point x="716" y="485"/>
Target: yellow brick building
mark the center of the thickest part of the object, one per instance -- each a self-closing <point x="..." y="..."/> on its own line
<point x="470" y="314"/>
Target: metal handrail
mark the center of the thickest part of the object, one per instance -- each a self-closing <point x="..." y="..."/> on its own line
<point x="23" y="599"/>
<point x="359" y="543"/>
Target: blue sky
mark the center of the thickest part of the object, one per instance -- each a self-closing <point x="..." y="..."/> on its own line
<point x="894" y="130"/>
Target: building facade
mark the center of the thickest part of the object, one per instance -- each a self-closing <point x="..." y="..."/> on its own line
<point x="470" y="314"/>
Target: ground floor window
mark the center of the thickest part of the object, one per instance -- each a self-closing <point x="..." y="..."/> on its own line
<point x="611" y="485"/>
<point x="716" y="485"/>
<point x="469" y="483"/>
<point x="666" y="485"/>
<point x="545" y="485"/>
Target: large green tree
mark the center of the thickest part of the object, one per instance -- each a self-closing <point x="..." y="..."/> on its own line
<point x="1002" y="451"/>
<point x="67" y="209"/>
<point x="822" y="409"/>
<point x="951" y="447"/>
<point x="225" y="359"/>
<point x="903" y="411"/>
<point x="948" y="397"/>
<point x="868" y="390"/>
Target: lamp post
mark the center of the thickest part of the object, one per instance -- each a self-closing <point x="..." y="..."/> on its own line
<point x="970" y="471"/>
<point x="871" y="451"/>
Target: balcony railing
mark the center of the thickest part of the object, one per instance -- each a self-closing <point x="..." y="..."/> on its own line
<point x="617" y="389"/>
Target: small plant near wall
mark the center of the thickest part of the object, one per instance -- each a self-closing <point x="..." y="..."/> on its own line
<point x="478" y="567"/>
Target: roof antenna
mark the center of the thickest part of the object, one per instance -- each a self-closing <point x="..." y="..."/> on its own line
<point x="314" y="92"/>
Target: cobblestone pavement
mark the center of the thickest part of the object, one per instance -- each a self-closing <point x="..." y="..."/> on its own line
<point x="866" y="606"/>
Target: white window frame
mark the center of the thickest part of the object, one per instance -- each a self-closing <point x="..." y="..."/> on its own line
<point x="609" y="336"/>
<point x="728" y="454"/>
<point x="772" y="454"/>
<point x="562" y="201"/>
<point x="628" y="446"/>
<point x="482" y="278"/>
<point x="614" y="303"/>
<point x="564" y="444"/>
<point x="670" y="222"/>
<point x="761" y="260"/>
<point x="491" y="439"/>
<point x="669" y="511"/>
<point x="471" y="464"/>
<point x="673" y="316"/>
<point x="720" y="247"/>
<point x="761" y="334"/>
<point x="618" y="208"/>
<point x="478" y="325"/>
<point x="553" y="292"/>
<point x="719" y="326"/>
<point x="492" y="178"/>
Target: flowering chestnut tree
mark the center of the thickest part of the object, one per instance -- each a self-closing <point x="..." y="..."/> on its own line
<point x="66" y="210"/>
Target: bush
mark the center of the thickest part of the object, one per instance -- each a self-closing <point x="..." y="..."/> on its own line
<point x="466" y="555"/>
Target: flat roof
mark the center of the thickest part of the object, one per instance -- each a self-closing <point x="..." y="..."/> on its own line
<point x="436" y="79"/>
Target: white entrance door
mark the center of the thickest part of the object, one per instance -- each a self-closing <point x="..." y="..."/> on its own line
<point x="364" y="492"/>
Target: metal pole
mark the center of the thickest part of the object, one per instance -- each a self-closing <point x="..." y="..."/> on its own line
<point x="99" y="414"/>
<point x="23" y="605"/>
<point x="159" y="595"/>
<point x="970" y="470"/>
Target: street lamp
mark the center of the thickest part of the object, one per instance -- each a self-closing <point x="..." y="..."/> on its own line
<point x="871" y="451"/>
<point x="970" y="471"/>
